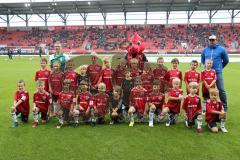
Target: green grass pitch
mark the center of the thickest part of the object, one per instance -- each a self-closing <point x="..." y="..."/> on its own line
<point x="106" y="142"/>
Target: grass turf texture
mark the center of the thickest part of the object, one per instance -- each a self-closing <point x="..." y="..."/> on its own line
<point x="110" y="142"/>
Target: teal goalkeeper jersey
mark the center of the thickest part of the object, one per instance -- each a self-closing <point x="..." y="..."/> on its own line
<point x="62" y="58"/>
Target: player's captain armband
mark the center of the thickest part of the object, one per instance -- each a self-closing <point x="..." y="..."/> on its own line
<point x="23" y="98"/>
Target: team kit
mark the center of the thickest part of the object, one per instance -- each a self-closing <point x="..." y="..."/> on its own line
<point x="129" y="93"/>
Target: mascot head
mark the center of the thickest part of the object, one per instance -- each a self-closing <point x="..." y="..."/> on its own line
<point x="136" y="46"/>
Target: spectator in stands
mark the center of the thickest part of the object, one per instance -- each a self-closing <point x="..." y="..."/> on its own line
<point x="219" y="56"/>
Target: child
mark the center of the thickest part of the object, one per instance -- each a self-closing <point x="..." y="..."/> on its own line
<point x="155" y="101"/>
<point x="20" y="104"/>
<point x="83" y="99"/>
<point x="160" y="74"/>
<point x="135" y="71"/>
<point x="172" y="108"/>
<point x="192" y="107"/>
<point x="93" y="71"/>
<point x="137" y="101"/>
<point x="41" y="104"/>
<point x="209" y="78"/>
<point x="116" y="105"/>
<point x="55" y="85"/>
<point x="101" y="103"/>
<point x="71" y="75"/>
<point x="174" y="73"/>
<point x="43" y="74"/>
<point x="106" y="76"/>
<point x="65" y="103"/>
<point x="83" y="75"/>
<point x="127" y="86"/>
<point x="147" y="78"/>
<point x="215" y="112"/>
<point x="118" y="74"/>
<point x="192" y="76"/>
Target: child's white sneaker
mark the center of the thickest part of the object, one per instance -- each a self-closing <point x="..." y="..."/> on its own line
<point x="223" y="129"/>
<point x="150" y="123"/>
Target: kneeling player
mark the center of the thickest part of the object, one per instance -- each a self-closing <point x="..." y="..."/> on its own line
<point x="137" y="101"/>
<point x="83" y="99"/>
<point x="116" y="105"/>
<point x="215" y="112"/>
<point x="20" y="105"/>
<point x="101" y="104"/>
<point x="155" y="102"/>
<point x="65" y="103"/>
<point x="172" y="108"/>
<point x="41" y="103"/>
<point x="192" y="107"/>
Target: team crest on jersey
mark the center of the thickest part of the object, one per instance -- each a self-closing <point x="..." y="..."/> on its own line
<point x="44" y="97"/>
<point x="197" y="100"/>
<point x="46" y="73"/>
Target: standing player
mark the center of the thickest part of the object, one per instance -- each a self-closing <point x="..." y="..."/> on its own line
<point x="155" y="101"/>
<point x="215" y="112"/>
<point x="147" y="78"/>
<point x="101" y="103"/>
<point x="172" y="108"/>
<point x="93" y="71"/>
<point x="137" y="100"/>
<point x="209" y="78"/>
<point x="59" y="56"/>
<point x="135" y="71"/>
<point x="192" y="76"/>
<point x="82" y="76"/>
<point x="127" y="86"/>
<point x="71" y="75"/>
<point x="118" y="74"/>
<point x="55" y="85"/>
<point x="41" y="104"/>
<point x="65" y="103"/>
<point x="160" y="74"/>
<point x="174" y="73"/>
<point x="106" y="76"/>
<point x="43" y="74"/>
<point x="192" y="107"/>
<point x="20" y="104"/>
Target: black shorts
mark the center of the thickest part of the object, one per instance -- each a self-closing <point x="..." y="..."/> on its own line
<point x="54" y="98"/>
<point x="214" y="123"/>
<point x="158" y="111"/>
<point x="206" y="95"/>
<point x="44" y="116"/>
<point x="24" y="118"/>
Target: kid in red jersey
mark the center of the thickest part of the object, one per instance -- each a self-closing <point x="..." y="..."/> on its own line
<point x="43" y="74"/>
<point x="160" y="73"/>
<point x="20" y="104"/>
<point x="137" y="98"/>
<point x="172" y="108"/>
<point x="55" y="85"/>
<point x="147" y="78"/>
<point x="65" y="103"/>
<point x="209" y="78"/>
<point x="41" y="104"/>
<point x="174" y="73"/>
<point x="192" y="107"/>
<point x="71" y="75"/>
<point x="119" y="73"/>
<point x="192" y="75"/>
<point x="155" y="101"/>
<point x="215" y="112"/>
<point x="135" y="71"/>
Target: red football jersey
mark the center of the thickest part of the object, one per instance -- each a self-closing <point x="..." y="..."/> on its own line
<point x="73" y="76"/>
<point x="138" y="98"/>
<point x="212" y="106"/>
<point x="101" y="102"/>
<point x="158" y="99"/>
<point x="24" y="106"/>
<point x="160" y="73"/>
<point x="55" y="81"/>
<point x="118" y="76"/>
<point x="192" y="76"/>
<point x="174" y="106"/>
<point x="65" y="100"/>
<point x="192" y="106"/>
<point x="106" y="76"/>
<point x="42" y="101"/>
<point x="43" y="75"/>
<point x="147" y="81"/>
<point x="135" y="73"/>
<point x="84" y="99"/>
<point x="173" y="73"/>
<point x="93" y="71"/>
<point x="208" y="77"/>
